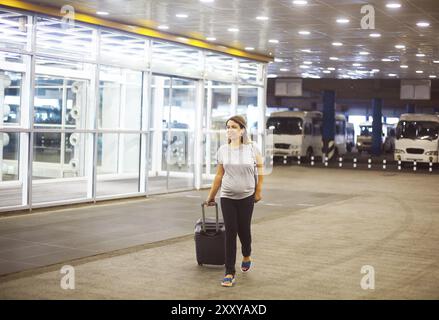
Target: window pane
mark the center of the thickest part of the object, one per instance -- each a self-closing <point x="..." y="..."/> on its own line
<point x="120" y="98"/>
<point x="10" y="97"/>
<point x="14" y="28"/>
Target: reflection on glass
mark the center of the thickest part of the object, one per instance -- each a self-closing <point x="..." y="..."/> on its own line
<point x="13" y="30"/>
<point x="9" y="148"/>
<point x="248" y="108"/>
<point x="10" y="93"/>
<point x="120" y="98"/>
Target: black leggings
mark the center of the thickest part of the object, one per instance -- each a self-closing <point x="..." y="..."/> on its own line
<point x="237" y="218"/>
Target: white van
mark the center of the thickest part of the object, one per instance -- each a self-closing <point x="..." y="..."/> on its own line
<point x="299" y="133"/>
<point x="417" y="138"/>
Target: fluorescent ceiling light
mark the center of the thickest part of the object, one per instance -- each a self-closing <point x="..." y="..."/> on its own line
<point x="306" y="50"/>
<point x="272" y="76"/>
<point x="278" y="60"/>
<point x="326" y="71"/>
<point x="364" y="53"/>
<point x="423" y="24"/>
<point x="102" y="13"/>
<point x="300" y="2"/>
<point x="420" y="54"/>
<point x="331" y="69"/>
<point x="304" y="67"/>
<point x="356" y="64"/>
<point x="343" y="20"/>
<point x="337" y="44"/>
<point x="211" y="39"/>
<point x="375" y="70"/>
<point x="404" y="66"/>
<point x="284" y="69"/>
<point x="392" y="75"/>
<point x="433" y="77"/>
<point x="304" y="32"/>
<point x="163" y="27"/>
<point x="333" y="58"/>
<point x="375" y="35"/>
<point x="207" y="1"/>
<point x="273" y="41"/>
<point x="307" y="62"/>
<point x="263" y="18"/>
<point x="419" y="71"/>
<point x="393" y="5"/>
<point x="233" y="30"/>
<point x="386" y="60"/>
<point x="436" y="61"/>
<point x="400" y="46"/>
<point x="249" y="48"/>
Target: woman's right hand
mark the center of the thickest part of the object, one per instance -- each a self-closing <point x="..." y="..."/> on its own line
<point x="210" y="202"/>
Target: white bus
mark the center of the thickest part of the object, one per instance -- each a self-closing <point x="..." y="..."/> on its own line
<point x="417" y="138"/>
<point x="299" y="133"/>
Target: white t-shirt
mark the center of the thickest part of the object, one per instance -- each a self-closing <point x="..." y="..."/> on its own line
<point x="239" y="170"/>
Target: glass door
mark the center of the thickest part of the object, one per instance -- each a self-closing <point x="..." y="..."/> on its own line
<point x="172" y="133"/>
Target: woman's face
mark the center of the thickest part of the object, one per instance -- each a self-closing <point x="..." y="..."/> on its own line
<point x="234" y="131"/>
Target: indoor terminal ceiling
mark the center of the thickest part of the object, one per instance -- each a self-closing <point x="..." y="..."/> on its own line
<point x="309" y="39"/>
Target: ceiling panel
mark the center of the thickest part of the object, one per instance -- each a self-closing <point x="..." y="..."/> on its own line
<point x="396" y="26"/>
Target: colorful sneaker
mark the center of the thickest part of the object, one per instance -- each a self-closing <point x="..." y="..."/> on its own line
<point x="245" y="266"/>
<point x="228" y="281"/>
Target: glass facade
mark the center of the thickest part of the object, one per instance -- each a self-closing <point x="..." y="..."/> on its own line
<point x="89" y="113"/>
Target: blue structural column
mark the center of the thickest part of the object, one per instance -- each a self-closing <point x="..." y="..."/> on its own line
<point x="411" y="108"/>
<point x="377" y="126"/>
<point x="328" y="123"/>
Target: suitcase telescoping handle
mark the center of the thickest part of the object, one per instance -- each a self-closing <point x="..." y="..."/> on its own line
<point x="203" y="225"/>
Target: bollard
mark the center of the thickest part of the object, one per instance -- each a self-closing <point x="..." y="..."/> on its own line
<point x="384" y="164"/>
<point x="355" y="162"/>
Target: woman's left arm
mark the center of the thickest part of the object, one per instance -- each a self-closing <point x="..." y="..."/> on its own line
<point x="260" y="167"/>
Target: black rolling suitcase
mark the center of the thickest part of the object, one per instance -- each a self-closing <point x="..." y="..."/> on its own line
<point x="210" y="239"/>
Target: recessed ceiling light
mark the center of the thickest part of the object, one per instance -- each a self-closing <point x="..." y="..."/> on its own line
<point x="163" y="27"/>
<point x="356" y="64"/>
<point x="375" y="70"/>
<point x="400" y="46"/>
<point x="433" y="76"/>
<point x="343" y="20"/>
<point x="278" y="60"/>
<point x="233" y="30"/>
<point x="272" y="76"/>
<point x="102" y="13"/>
<point x="326" y="71"/>
<point x="333" y="58"/>
<point x="207" y="1"/>
<point x="337" y="44"/>
<point x="273" y="41"/>
<point x="181" y="15"/>
<point x="386" y="60"/>
<point x="284" y="69"/>
<point x="375" y="35"/>
<point x="304" y="67"/>
<point x="263" y="18"/>
<point x="211" y="39"/>
<point x="307" y="62"/>
<point x="392" y="75"/>
<point x="249" y="48"/>
<point x="393" y="5"/>
<point x="364" y="53"/>
<point x="304" y="32"/>
<point x="423" y="24"/>
<point x="306" y="50"/>
<point x="403" y="66"/>
<point x="419" y="71"/>
<point x="331" y="69"/>
<point x="300" y="2"/>
<point x="420" y="54"/>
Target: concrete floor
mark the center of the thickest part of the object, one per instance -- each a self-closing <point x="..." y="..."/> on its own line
<point x="312" y="233"/>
